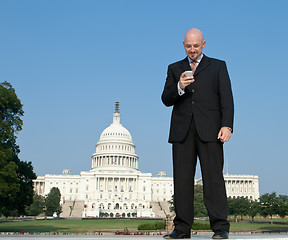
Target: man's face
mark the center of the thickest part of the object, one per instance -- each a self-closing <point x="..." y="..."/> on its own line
<point x="193" y="45"/>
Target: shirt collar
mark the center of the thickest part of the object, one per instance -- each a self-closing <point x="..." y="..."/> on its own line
<point x="197" y="60"/>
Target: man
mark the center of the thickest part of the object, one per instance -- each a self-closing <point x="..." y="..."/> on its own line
<point x="201" y="121"/>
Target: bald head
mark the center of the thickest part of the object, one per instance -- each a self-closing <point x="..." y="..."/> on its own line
<point x="194" y="43"/>
<point x="193" y="33"/>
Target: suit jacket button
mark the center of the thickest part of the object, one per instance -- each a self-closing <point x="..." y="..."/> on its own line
<point x="193" y="90"/>
<point x="192" y="102"/>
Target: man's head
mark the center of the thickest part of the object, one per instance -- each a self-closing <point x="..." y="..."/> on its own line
<point x="194" y="43"/>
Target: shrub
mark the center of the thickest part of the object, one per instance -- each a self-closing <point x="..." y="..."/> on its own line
<point x="152" y="226"/>
<point x="201" y="226"/>
<point x="161" y="225"/>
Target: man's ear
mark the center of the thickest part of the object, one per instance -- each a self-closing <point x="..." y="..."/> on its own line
<point x="204" y="43"/>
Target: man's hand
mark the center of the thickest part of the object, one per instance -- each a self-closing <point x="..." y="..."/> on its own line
<point x="185" y="81"/>
<point x="224" y="134"/>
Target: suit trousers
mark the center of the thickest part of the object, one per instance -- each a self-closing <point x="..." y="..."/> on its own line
<point x="211" y="159"/>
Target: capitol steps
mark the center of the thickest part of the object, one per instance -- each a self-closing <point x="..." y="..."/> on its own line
<point x="66" y="209"/>
<point x="77" y="210"/>
<point x="72" y="209"/>
<point x="157" y="209"/>
<point x="166" y="208"/>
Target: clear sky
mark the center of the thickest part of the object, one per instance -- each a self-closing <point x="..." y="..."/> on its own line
<point x="69" y="61"/>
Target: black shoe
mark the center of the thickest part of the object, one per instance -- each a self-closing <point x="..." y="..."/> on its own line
<point x="176" y="234"/>
<point x="220" y="234"/>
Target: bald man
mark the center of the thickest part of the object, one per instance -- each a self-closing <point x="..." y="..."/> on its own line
<point x="201" y="121"/>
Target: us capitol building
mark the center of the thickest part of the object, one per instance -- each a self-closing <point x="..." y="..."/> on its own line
<point x="114" y="187"/>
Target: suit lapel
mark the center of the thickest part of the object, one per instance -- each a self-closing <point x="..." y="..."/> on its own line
<point x="185" y="65"/>
<point x="205" y="61"/>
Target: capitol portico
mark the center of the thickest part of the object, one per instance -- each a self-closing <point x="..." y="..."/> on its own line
<point x="115" y="187"/>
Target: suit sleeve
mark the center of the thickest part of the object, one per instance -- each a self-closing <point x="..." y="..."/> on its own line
<point x="226" y="97"/>
<point x="170" y="94"/>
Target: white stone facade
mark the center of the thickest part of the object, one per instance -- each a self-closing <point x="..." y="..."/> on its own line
<point x="115" y="187"/>
<point x="240" y="186"/>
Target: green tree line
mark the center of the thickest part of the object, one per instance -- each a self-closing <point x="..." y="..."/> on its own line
<point x="268" y="205"/>
<point x="17" y="196"/>
<point x="16" y="176"/>
<point x="49" y="204"/>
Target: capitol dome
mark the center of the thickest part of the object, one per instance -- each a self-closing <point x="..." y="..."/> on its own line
<point x="115" y="148"/>
<point x="116" y="132"/>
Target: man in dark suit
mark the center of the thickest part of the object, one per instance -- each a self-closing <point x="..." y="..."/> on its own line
<point x="201" y="121"/>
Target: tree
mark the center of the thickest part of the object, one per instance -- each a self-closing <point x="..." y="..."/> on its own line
<point x="52" y="202"/>
<point x="254" y="209"/>
<point x="9" y="183"/>
<point x="269" y="205"/>
<point x="199" y="207"/>
<point x="37" y="207"/>
<point x="238" y="207"/>
<point x="283" y="205"/>
<point x="26" y="176"/>
<point x="10" y="116"/>
<point x="16" y="176"/>
<point x="172" y="207"/>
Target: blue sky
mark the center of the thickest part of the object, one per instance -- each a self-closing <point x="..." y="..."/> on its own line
<point x="69" y="61"/>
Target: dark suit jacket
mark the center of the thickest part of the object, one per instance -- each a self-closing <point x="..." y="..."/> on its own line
<point x="208" y="99"/>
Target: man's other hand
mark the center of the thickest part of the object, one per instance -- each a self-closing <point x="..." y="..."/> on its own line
<point x="224" y="134"/>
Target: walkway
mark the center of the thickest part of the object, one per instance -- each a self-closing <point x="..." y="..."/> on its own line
<point x="128" y="237"/>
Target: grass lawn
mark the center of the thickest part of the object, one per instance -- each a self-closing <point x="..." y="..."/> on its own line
<point x="257" y="219"/>
<point x="65" y="225"/>
<point x="242" y="226"/>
